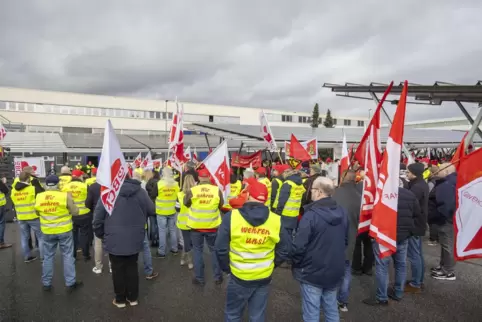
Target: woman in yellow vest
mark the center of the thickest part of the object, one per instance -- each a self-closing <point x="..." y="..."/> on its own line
<point x="181" y="222"/>
<point x="167" y="190"/>
<point x="56" y="209"/>
<point x="250" y="244"/>
<point x="3" y="201"/>
<point x="65" y="176"/>
<point x="82" y="228"/>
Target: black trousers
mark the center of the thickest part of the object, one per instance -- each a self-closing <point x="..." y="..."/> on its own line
<point x="363" y="241"/>
<point x="82" y="234"/>
<point x="125" y="276"/>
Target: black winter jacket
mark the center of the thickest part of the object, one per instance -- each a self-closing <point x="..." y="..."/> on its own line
<point x="433" y="217"/>
<point x="408" y="214"/>
<point x="420" y="189"/>
<point x="93" y="196"/>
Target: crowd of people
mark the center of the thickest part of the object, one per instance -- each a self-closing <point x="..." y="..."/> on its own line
<point x="273" y="217"/>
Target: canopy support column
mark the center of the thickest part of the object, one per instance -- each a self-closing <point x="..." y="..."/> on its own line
<point x="474" y="124"/>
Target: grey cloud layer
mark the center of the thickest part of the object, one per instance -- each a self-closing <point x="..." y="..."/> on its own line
<point x="271" y="54"/>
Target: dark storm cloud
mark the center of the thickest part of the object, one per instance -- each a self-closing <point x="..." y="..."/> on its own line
<point x="270" y="54"/>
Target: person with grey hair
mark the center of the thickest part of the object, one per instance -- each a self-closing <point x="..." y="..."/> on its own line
<point x="318" y="252"/>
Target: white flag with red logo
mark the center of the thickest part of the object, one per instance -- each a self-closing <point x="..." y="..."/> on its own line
<point x="345" y="158"/>
<point x="194" y="155"/>
<point x="187" y="153"/>
<point x="147" y="162"/>
<point x="217" y="163"/>
<point x="384" y="218"/>
<point x="468" y="219"/>
<point x="176" y="134"/>
<point x="112" y="169"/>
<point x="266" y="132"/>
<point x="138" y="160"/>
<point x="3" y="132"/>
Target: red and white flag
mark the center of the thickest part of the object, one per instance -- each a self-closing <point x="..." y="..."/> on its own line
<point x="138" y="160"/>
<point x="3" y="132"/>
<point x="368" y="154"/>
<point x="194" y="155"/>
<point x="345" y="158"/>
<point x="468" y="219"/>
<point x="217" y="163"/>
<point x="384" y="218"/>
<point x="147" y="162"/>
<point x="176" y="134"/>
<point x="187" y="153"/>
<point x="266" y="132"/>
<point x="112" y="169"/>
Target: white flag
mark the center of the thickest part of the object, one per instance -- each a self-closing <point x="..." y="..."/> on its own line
<point x="217" y="163"/>
<point x="266" y="132"/>
<point x="3" y="132"/>
<point x="194" y="155"/>
<point x="147" y="163"/>
<point x="138" y="161"/>
<point x="187" y="153"/>
<point x="112" y="169"/>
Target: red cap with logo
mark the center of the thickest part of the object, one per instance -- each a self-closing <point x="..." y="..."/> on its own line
<point x="258" y="191"/>
<point x="77" y="173"/>
<point x="261" y="170"/>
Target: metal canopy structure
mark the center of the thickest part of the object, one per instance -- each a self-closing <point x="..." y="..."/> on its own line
<point x="423" y="94"/>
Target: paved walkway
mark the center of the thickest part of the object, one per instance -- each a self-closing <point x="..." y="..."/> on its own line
<point x="172" y="297"/>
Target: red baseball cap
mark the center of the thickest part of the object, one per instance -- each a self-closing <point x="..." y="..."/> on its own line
<point x="204" y="173"/>
<point x="94" y="171"/>
<point x="261" y="170"/>
<point x="258" y="191"/>
<point x="328" y="160"/>
<point x="77" y="173"/>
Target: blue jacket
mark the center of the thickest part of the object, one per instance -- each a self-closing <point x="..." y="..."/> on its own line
<point x="288" y="222"/>
<point x="445" y="198"/>
<point x="255" y="214"/>
<point x="123" y="232"/>
<point x="318" y="251"/>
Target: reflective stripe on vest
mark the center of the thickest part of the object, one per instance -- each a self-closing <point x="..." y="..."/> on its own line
<point x="276" y="199"/>
<point x="24" y="201"/>
<point x="78" y="190"/>
<point x="267" y="183"/>
<point x="54" y="214"/>
<point x="204" y="211"/>
<point x="166" y="199"/>
<point x="293" y="204"/>
<point x="183" y="214"/>
<point x="252" y="249"/>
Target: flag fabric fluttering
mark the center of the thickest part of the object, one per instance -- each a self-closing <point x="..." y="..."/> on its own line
<point x="3" y="132"/>
<point x="217" y="163"/>
<point x="176" y="126"/>
<point x="345" y="157"/>
<point x="297" y="151"/>
<point x="187" y="153"/>
<point x="468" y="219"/>
<point x="459" y="153"/>
<point x="112" y="169"/>
<point x="266" y="133"/>
<point x="194" y="155"/>
<point x="147" y="163"/>
<point x="138" y="160"/>
<point x="383" y="225"/>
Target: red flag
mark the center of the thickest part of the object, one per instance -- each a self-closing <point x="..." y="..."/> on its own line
<point x="374" y="122"/>
<point x="297" y="151"/>
<point x="345" y="158"/>
<point x="459" y="153"/>
<point x="468" y="219"/>
<point x="253" y="160"/>
<point x="383" y="226"/>
<point x="194" y="155"/>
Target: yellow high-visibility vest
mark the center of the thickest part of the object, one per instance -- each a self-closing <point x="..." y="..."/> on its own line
<point x="252" y="249"/>
<point x="183" y="213"/>
<point x="3" y="199"/>
<point x="78" y="190"/>
<point x="304" y="180"/>
<point x="63" y="181"/>
<point x="204" y="211"/>
<point x="426" y="174"/>
<point x="166" y="199"/>
<point x="54" y="214"/>
<point x="24" y="202"/>
<point x="293" y="205"/>
<point x="78" y="167"/>
<point x="235" y="189"/>
<point x="280" y="183"/>
<point x="90" y="181"/>
<point x="267" y="183"/>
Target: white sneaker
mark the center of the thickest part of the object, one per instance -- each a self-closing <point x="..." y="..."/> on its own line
<point x="119" y="305"/>
<point x="110" y="270"/>
<point x="97" y="270"/>
<point x="133" y="303"/>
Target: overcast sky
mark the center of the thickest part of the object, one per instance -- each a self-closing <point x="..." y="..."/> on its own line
<point x="271" y="53"/>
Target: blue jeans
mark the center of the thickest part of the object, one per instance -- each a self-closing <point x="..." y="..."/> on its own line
<point x="186" y="235"/>
<point x="2" y="224"/>
<point x="198" y="259"/>
<point x="238" y="296"/>
<point x="167" y="223"/>
<point x="381" y="270"/>
<point x="415" y="256"/>
<point x="344" y="289"/>
<point x="66" y="242"/>
<point x="147" y="257"/>
<point x="312" y="298"/>
<point x="25" y="227"/>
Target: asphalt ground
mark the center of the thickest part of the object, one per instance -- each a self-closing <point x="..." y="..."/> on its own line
<point x="172" y="297"/>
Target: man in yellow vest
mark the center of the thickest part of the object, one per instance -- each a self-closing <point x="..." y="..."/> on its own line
<point x="78" y="166"/>
<point x="82" y="228"/>
<point x="65" y="176"/>
<point x="92" y="179"/>
<point x="234" y="191"/>
<point x="23" y="198"/>
<point x="3" y="201"/>
<point x="261" y="176"/>
<point x="250" y="243"/>
<point x="276" y="183"/>
<point x="289" y="200"/>
<point x="167" y="190"/>
<point x="56" y="209"/>
<point x="205" y="202"/>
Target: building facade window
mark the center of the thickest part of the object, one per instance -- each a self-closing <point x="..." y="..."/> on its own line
<point x="334" y="121"/>
<point x="361" y="123"/>
<point x="347" y="122"/>
<point x="286" y="118"/>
